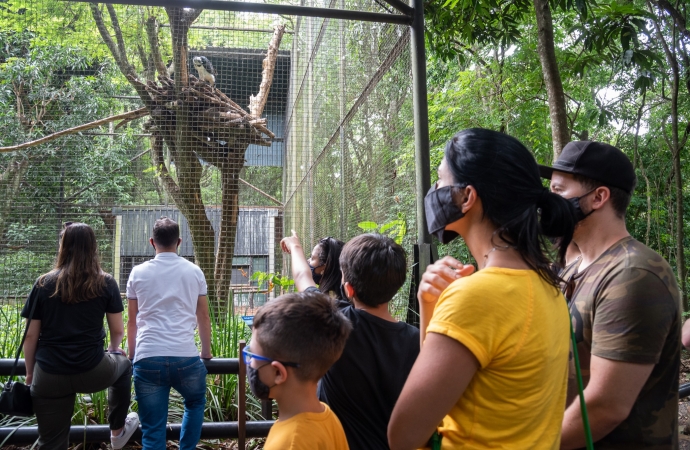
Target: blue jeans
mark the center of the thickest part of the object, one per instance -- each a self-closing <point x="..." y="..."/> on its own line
<point x="153" y="378"/>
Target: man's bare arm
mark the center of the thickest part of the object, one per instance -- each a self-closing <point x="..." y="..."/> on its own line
<point x="610" y="395"/>
<point x="203" y="321"/>
<point x="132" y="311"/>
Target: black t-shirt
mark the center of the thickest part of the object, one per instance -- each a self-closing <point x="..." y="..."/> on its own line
<point x="72" y="335"/>
<point x="363" y="385"/>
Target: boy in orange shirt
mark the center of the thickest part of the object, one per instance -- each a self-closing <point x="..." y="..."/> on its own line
<point x="296" y="339"/>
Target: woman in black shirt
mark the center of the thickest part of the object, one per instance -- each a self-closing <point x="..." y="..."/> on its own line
<point x="322" y="269"/>
<point x="64" y="345"/>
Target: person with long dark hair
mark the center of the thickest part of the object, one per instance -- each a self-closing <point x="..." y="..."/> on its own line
<point x="322" y="269"/>
<point x="64" y="345"/>
<point x="493" y="367"/>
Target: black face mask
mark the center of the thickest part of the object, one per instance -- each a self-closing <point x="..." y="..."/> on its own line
<point x="259" y="388"/>
<point x="579" y="214"/>
<point x="441" y="211"/>
<point x="342" y="292"/>
<point x="315" y="276"/>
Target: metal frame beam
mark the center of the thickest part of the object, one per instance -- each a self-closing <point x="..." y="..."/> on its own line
<point x="401" y="6"/>
<point x="267" y="8"/>
<point x="421" y="120"/>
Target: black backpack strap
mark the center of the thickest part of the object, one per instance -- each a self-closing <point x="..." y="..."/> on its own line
<point x="26" y="330"/>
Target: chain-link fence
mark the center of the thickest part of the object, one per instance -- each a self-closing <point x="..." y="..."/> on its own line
<point x="240" y="125"/>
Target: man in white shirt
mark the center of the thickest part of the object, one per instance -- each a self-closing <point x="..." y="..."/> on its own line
<point x="166" y="302"/>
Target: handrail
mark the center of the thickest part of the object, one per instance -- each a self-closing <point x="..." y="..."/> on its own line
<point x="214" y="366"/>
<point x="684" y="390"/>
<point x="240" y="430"/>
<point x="101" y="433"/>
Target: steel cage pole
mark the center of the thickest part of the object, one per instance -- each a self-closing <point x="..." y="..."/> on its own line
<point x="270" y="8"/>
<point x="421" y="118"/>
<point x="424" y="251"/>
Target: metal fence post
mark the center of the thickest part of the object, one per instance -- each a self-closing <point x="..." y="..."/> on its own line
<point x="242" y="400"/>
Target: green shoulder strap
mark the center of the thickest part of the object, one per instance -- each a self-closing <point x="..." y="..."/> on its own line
<point x="583" y="405"/>
<point x="435" y="441"/>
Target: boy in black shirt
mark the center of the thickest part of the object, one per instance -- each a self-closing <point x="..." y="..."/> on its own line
<point x="363" y="385"/>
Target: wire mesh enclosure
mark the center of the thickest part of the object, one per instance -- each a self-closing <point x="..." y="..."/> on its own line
<point x="240" y="125"/>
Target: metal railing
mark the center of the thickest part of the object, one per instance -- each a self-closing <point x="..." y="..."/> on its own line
<point x="684" y="390"/>
<point x="240" y="430"/>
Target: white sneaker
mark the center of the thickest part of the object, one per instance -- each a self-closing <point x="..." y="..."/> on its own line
<point x="131" y="424"/>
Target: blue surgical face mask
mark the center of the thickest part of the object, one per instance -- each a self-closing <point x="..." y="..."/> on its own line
<point x="441" y="211"/>
<point x="315" y="276"/>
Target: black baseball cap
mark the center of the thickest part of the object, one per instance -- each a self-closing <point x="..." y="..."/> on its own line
<point x="596" y="160"/>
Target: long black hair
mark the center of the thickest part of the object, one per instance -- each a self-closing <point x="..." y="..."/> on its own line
<point x="506" y="177"/>
<point x="329" y="255"/>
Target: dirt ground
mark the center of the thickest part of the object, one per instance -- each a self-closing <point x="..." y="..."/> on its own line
<point x="252" y="444"/>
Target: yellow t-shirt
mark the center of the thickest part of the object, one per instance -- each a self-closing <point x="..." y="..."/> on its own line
<point x="517" y="326"/>
<point x="308" y="431"/>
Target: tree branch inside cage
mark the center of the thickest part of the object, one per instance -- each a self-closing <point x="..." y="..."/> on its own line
<point x="192" y="123"/>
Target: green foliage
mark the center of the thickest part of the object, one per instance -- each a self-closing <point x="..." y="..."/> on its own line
<point x="454" y="26"/>
<point x="395" y="229"/>
<point x="272" y="280"/>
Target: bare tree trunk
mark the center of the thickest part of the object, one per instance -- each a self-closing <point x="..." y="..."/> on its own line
<point x="552" y="77"/>
<point x="177" y="129"/>
<point x="227" y="231"/>
<point x="675" y="146"/>
<point x="258" y="102"/>
<point x="638" y="158"/>
<point x="10" y="182"/>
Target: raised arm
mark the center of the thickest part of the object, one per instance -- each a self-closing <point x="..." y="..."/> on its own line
<point x="301" y="272"/>
<point x="203" y="322"/>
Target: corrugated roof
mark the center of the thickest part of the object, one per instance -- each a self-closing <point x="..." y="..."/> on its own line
<point x="253" y="229"/>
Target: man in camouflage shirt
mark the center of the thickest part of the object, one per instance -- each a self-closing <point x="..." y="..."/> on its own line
<point x="625" y="307"/>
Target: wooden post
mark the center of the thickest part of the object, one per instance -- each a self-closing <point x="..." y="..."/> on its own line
<point x="241" y="400"/>
<point x="267" y="409"/>
<point x="116" y="250"/>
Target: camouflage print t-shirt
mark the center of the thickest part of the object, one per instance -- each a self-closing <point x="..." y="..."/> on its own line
<point x="626" y="307"/>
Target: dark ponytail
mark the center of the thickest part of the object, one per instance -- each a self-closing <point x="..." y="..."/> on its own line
<point x="557" y="222"/>
<point x="507" y="180"/>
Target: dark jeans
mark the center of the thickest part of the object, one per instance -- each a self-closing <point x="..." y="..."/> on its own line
<point x="53" y="397"/>
<point x="153" y="378"/>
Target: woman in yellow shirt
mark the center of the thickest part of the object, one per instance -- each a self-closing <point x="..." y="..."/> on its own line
<point x="493" y="368"/>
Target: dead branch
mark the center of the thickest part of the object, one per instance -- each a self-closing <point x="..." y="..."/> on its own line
<point x="120" y="56"/>
<point x="87" y="126"/>
<point x="142" y="113"/>
<point x="266" y="131"/>
<point x="261" y="192"/>
<point x="258" y="102"/>
<point x="118" y="31"/>
<point x="152" y="34"/>
<point x="162" y="170"/>
<point x="231" y="103"/>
